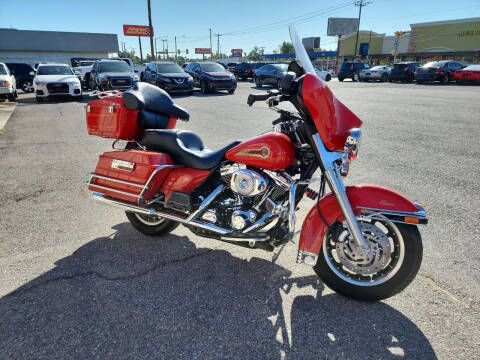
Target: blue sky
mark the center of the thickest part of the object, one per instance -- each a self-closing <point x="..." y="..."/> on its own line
<point x="192" y="19"/>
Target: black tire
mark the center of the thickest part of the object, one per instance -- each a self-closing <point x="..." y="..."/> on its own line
<point x="445" y="79"/>
<point x="356" y="77"/>
<point x="27" y="86"/>
<point x="140" y="222"/>
<point x="258" y="82"/>
<point x="408" y="268"/>
<point x="11" y="97"/>
<point x="39" y="99"/>
<point x="279" y="84"/>
<point x="384" y="78"/>
<point x="340" y="79"/>
<point x="328" y="77"/>
<point x="204" y="87"/>
<point x="231" y="91"/>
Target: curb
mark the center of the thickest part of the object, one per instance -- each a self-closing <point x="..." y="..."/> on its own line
<point x="6" y="111"/>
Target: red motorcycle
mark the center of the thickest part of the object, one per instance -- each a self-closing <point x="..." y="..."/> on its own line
<point x="361" y="240"/>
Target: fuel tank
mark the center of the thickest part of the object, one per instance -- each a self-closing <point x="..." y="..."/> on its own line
<point x="271" y="151"/>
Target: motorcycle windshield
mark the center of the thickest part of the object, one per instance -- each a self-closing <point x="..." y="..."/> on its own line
<point x="332" y="118"/>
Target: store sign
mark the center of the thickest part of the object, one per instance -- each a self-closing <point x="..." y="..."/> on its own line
<point x="237" y="52"/>
<point x="137" y="30"/>
<point x="474" y="32"/>
<point x="203" y="50"/>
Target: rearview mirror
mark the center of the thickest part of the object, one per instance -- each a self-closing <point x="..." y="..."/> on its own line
<point x="32" y="73"/>
<point x="135" y="71"/>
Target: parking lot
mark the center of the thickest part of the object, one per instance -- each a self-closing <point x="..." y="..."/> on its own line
<point x="79" y="282"/>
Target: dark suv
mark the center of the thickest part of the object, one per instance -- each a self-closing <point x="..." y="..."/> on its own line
<point x="112" y="75"/>
<point x="168" y="76"/>
<point x="352" y="70"/>
<point x="22" y="76"/>
<point x="211" y="76"/>
<point x="404" y="71"/>
<point x="243" y="70"/>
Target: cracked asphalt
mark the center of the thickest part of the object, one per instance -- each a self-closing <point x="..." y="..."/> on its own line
<point x="78" y="282"/>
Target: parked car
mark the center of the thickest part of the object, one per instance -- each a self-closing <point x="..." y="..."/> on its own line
<point x="379" y="72"/>
<point x="22" y="76"/>
<point x="223" y="65"/>
<point x="470" y="73"/>
<point x="53" y="80"/>
<point x="243" y="70"/>
<point x="83" y="71"/>
<point x="231" y="66"/>
<point x="8" y="87"/>
<point x="211" y="76"/>
<point x="323" y="74"/>
<point x="112" y="75"/>
<point x="352" y="70"/>
<point x="271" y="74"/>
<point x="437" y="71"/>
<point x="168" y="76"/>
<point x="404" y="71"/>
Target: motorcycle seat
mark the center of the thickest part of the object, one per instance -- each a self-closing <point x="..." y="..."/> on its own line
<point x="143" y="96"/>
<point x="185" y="148"/>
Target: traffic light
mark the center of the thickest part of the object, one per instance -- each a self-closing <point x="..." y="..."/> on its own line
<point x="178" y="51"/>
<point x="186" y="51"/>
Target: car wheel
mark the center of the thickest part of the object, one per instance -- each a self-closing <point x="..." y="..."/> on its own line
<point x="258" y="82"/>
<point x="445" y="79"/>
<point x="356" y="77"/>
<point x="27" y="86"/>
<point x="231" y="91"/>
<point x="11" y="97"/>
<point x="204" y="87"/>
<point x="384" y="78"/>
<point x="340" y="79"/>
<point x="328" y="77"/>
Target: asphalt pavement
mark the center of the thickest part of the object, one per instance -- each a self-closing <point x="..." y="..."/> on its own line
<point x="78" y="282"/>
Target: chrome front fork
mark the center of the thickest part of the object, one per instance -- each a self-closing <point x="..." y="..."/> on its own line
<point x="335" y="182"/>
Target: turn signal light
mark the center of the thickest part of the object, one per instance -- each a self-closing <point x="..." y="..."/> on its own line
<point x="6" y="83"/>
<point x="411" y="220"/>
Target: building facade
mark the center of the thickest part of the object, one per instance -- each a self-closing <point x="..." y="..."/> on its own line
<point x="28" y="46"/>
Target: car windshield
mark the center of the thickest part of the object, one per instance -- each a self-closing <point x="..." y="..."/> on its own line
<point x="3" y="71"/>
<point x="169" y="68"/>
<point x="86" y="63"/>
<point x="54" y="70"/>
<point x="472" y="67"/>
<point x="259" y="65"/>
<point x="281" y="67"/>
<point x="434" y="64"/>
<point x="114" y="66"/>
<point x="209" y="67"/>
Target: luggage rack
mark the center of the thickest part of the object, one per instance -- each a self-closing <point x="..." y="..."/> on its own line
<point x="139" y="196"/>
<point x="106" y="93"/>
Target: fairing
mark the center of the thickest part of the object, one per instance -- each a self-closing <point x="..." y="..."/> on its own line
<point x="370" y="196"/>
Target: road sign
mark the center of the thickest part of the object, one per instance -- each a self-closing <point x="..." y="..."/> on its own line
<point x="203" y="50"/>
<point x="342" y="26"/>
<point x="237" y="52"/>
<point x="137" y="30"/>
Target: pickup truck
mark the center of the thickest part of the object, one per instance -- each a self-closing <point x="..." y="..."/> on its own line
<point x="83" y="72"/>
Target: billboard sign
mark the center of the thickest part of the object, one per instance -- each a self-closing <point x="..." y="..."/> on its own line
<point x="203" y="51"/>
<point x="237" y="52"/>
<point x="342" y="26"/>
<point x="311" y="43"/>
<point x="137" y="30"/>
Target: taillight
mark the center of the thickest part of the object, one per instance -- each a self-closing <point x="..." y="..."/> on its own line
<point x="407" y="68"/>
<point x="437" y="70"/>
<point x="416" y="70"/>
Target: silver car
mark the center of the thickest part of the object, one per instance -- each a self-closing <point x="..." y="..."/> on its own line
<point x="380" y="73"/>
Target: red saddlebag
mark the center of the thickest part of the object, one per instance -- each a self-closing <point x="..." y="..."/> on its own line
<point x="109" y="118"/>
<point x="127" y="175"/>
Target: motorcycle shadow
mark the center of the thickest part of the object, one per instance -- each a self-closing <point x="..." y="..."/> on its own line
<point x="134" y="297"/>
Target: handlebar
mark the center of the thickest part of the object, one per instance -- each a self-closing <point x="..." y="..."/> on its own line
<point x="257" y="97"/>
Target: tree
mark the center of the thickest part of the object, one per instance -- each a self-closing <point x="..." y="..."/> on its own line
<point x="287" y="48"/>
<point x="255" y="53"/>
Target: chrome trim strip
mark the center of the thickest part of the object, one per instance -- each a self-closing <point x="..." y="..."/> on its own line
<point x="259" y="224"/>
<point x="421" y="213"/>
<point x="306" y="258"/>
<point x="238" y="239"/>
<point x="114" y="190"/>
<point x="93" y="175"/>
<point x="206" y="202"/>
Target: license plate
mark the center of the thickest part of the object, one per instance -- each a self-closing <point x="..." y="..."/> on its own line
<point x="121" y="81"/>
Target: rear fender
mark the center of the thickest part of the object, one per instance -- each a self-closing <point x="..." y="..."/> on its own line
<point x="363" y="198"/>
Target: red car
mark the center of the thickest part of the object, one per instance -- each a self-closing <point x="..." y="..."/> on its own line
<point x="468" y="74"/>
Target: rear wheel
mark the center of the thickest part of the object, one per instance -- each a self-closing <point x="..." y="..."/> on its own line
<point x="396" y="257"/>
<point x="204" y="87"/>
<point x="356" y="77"/>
<point x="150" y="224"/>
<point x="340" y="79"/>
<point x="11" y="97"/>
<point x="445" y="79"/>
<point x="258" y="82"/>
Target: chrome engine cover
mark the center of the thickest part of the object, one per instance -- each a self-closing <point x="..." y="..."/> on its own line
<point x="248" y="183"/>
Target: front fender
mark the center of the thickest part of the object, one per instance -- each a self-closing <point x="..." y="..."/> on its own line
<point x="360" y="196"/>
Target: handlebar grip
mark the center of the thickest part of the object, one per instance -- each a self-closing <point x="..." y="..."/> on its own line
<point x="257" y="97"/>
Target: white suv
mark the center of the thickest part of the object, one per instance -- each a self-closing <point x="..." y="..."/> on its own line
<point x="8" y="87"/>
<point x="56" y="80"/>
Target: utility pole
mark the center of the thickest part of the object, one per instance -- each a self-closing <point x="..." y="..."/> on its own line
<point x="211" y="52"/>
<point x="140" y="45"/>
<point x="175" y="48"/>
<point x="151" y="30"/>
<point x="218" y="44"/>
<point x="360" y="4"/>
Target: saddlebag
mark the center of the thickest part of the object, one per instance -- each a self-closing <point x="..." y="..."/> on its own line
<point x="131" y="175"/>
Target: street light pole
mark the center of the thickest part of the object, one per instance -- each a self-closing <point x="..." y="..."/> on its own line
<point x="175" y="48"/>
<point x="211" y="52"/>
<point x="151" y="30"/>
<point x="360" y="4"/>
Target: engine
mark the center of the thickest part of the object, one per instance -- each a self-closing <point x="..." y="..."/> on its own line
<point x="250" y="194"/>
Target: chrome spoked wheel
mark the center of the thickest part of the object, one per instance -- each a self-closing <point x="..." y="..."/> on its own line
<point x="387" y="252"/>
<point x="27" y="87"/>
<point x="149" y="219"/>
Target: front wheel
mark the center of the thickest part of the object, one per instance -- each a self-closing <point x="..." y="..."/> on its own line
<point x="328" y="77"/>
<point x="258" y="82"/>
<point x="396" y="255"/>
<point x="445" y="79"/>
<point x="356" y="77"/>
<point x="204" y="87"/>
<point x="150" y="224"/>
